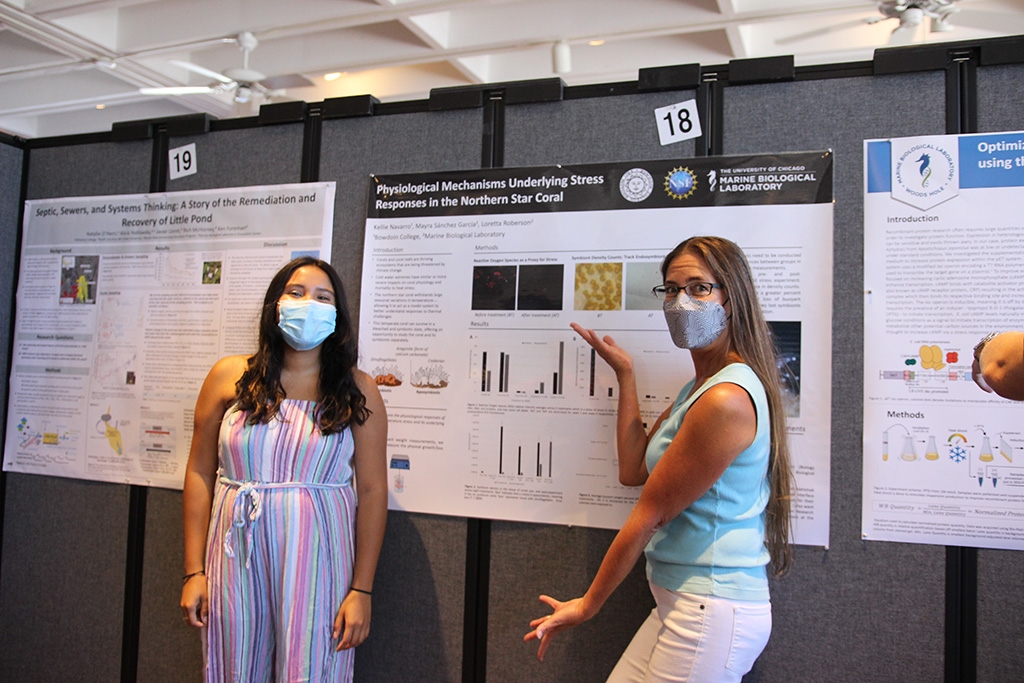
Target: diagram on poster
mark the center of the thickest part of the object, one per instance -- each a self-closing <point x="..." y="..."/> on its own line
<point x="943" y="460"/>
<point x="496" y="407"/>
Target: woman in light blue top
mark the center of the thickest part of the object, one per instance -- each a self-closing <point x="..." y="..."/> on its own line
<point x="714" y="509"/>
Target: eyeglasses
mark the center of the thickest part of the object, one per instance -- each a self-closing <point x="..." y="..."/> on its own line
<point x="695" y="290"/>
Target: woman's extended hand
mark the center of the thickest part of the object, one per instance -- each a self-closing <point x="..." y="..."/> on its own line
<point x="352" y="625"/>
<point x="566" y="615"/>
<point x="194" y="600"/>
<point x="612" y="353"/>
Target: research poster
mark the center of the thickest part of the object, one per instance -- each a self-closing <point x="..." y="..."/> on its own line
<point x="123" y="305"/>
<point x="470" y="280"/>
<point x="943" y="247"/>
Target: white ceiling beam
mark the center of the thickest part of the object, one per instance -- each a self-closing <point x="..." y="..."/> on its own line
<point x="432" y="28"/>
<point x="476" y="69"/>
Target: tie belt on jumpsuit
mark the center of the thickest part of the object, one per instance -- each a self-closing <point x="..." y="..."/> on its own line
<point x="248" y="495"/>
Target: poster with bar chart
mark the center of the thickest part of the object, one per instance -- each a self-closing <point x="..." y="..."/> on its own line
<point x="496" y="407"/>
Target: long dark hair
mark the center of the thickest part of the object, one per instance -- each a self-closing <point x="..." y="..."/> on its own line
<point x="259" y="390"/>
<point x="753" y="341"/>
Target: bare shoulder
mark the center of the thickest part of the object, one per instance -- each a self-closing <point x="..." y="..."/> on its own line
<point x="229" y="368"/>
<point x="363" y="380"/>
<point x="718" y="426"/>
<point x="223" y="376"/>
<point x="725" y="402"/>
<point x="370" y="390"/>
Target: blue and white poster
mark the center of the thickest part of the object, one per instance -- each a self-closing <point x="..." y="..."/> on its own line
<point x="943" y="246"/>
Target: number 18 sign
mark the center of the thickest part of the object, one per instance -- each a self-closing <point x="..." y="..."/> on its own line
<point x="677" y="122"/>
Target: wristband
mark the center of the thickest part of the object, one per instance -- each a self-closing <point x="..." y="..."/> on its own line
<point x="981" y="345"/>
<point x="185" y="578"/>
<point x="358" y="590"/>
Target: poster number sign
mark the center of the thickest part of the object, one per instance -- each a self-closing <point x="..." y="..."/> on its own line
<point x="182" y="161"/>
<point x="677" y="122"/>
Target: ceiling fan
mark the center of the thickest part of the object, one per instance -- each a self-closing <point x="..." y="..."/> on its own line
<point x="243" y="84"/>
<point x="910" y="14"/>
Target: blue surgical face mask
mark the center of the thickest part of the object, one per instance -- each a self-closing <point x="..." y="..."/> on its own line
<point x="693" y="323"/>
<point x="305" y="323"/>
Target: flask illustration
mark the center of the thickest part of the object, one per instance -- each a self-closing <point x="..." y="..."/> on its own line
<point x="885" y="445"/>
<point x="932" y="453"/>
<point x="986" y="450"/>
<point x="909" y="454"/>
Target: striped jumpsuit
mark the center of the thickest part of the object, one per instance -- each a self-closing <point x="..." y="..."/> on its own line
<point x="280" y="550"/>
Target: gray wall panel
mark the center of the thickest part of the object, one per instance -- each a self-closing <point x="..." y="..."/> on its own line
<point x="269" y="155"/>
<point x="1000" y="606"/>
<point x="1000" y="642"/>
<point x="533" y="559"/>
<point x="416" y="632"/>
<point x="63" y="573"/>
<point x="169" y="649"/>
<point x="588" y="131"/>
<point x="62" y="594"/>
<point x="419" y="591"/>
<point x="1000" y="89"/>
<point x="11" y="164"/>
<point x="89" y="170"/>
<point x="842" y="612"/>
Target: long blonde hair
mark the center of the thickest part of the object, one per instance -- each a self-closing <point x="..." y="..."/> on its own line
<point x="752" y="339"/>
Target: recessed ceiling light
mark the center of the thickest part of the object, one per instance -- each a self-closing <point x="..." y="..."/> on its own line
<point x="333" y="76"/>
<point x="101" y="106"/>
<point x="595" y="43"/>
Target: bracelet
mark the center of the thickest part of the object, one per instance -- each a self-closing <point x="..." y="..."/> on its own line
<point x="981" y="345"/>
<point x="185" y="578"/>
<point x="359" y="590"/>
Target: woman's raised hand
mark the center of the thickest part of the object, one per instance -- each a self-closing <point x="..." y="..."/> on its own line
<point x="613" y="354"/>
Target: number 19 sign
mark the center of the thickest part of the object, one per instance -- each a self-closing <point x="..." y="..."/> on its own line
<point x="677" y="122"/>
<point x="181" y="161"/>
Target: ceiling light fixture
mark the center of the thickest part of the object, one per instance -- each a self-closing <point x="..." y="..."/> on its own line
<point x="561" y="57"/>
<point x="333" y="76"/>
<point x="596" y="43"/>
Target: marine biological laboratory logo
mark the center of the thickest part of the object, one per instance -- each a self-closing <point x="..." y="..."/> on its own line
<point x="925" y="174"/>
<point x="680" y="183"/>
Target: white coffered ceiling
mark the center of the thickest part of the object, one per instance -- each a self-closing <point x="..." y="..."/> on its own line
<point x="76" y="66"/>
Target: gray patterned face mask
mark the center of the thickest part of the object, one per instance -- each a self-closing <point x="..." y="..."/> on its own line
<point x="692" y="323"/>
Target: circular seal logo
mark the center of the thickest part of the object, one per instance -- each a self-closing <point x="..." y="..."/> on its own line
<point x="636" y="185"/>
<point x="680" y="183"/>
<point x="925" y="171"/>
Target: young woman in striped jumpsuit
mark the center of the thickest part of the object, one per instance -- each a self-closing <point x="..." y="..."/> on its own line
<point x="279" y="560"/>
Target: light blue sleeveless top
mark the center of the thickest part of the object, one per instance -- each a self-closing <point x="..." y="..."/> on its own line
<point x="716" y="546"/>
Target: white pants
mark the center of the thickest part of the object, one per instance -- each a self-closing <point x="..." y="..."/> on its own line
<point x="695" y="638"/>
